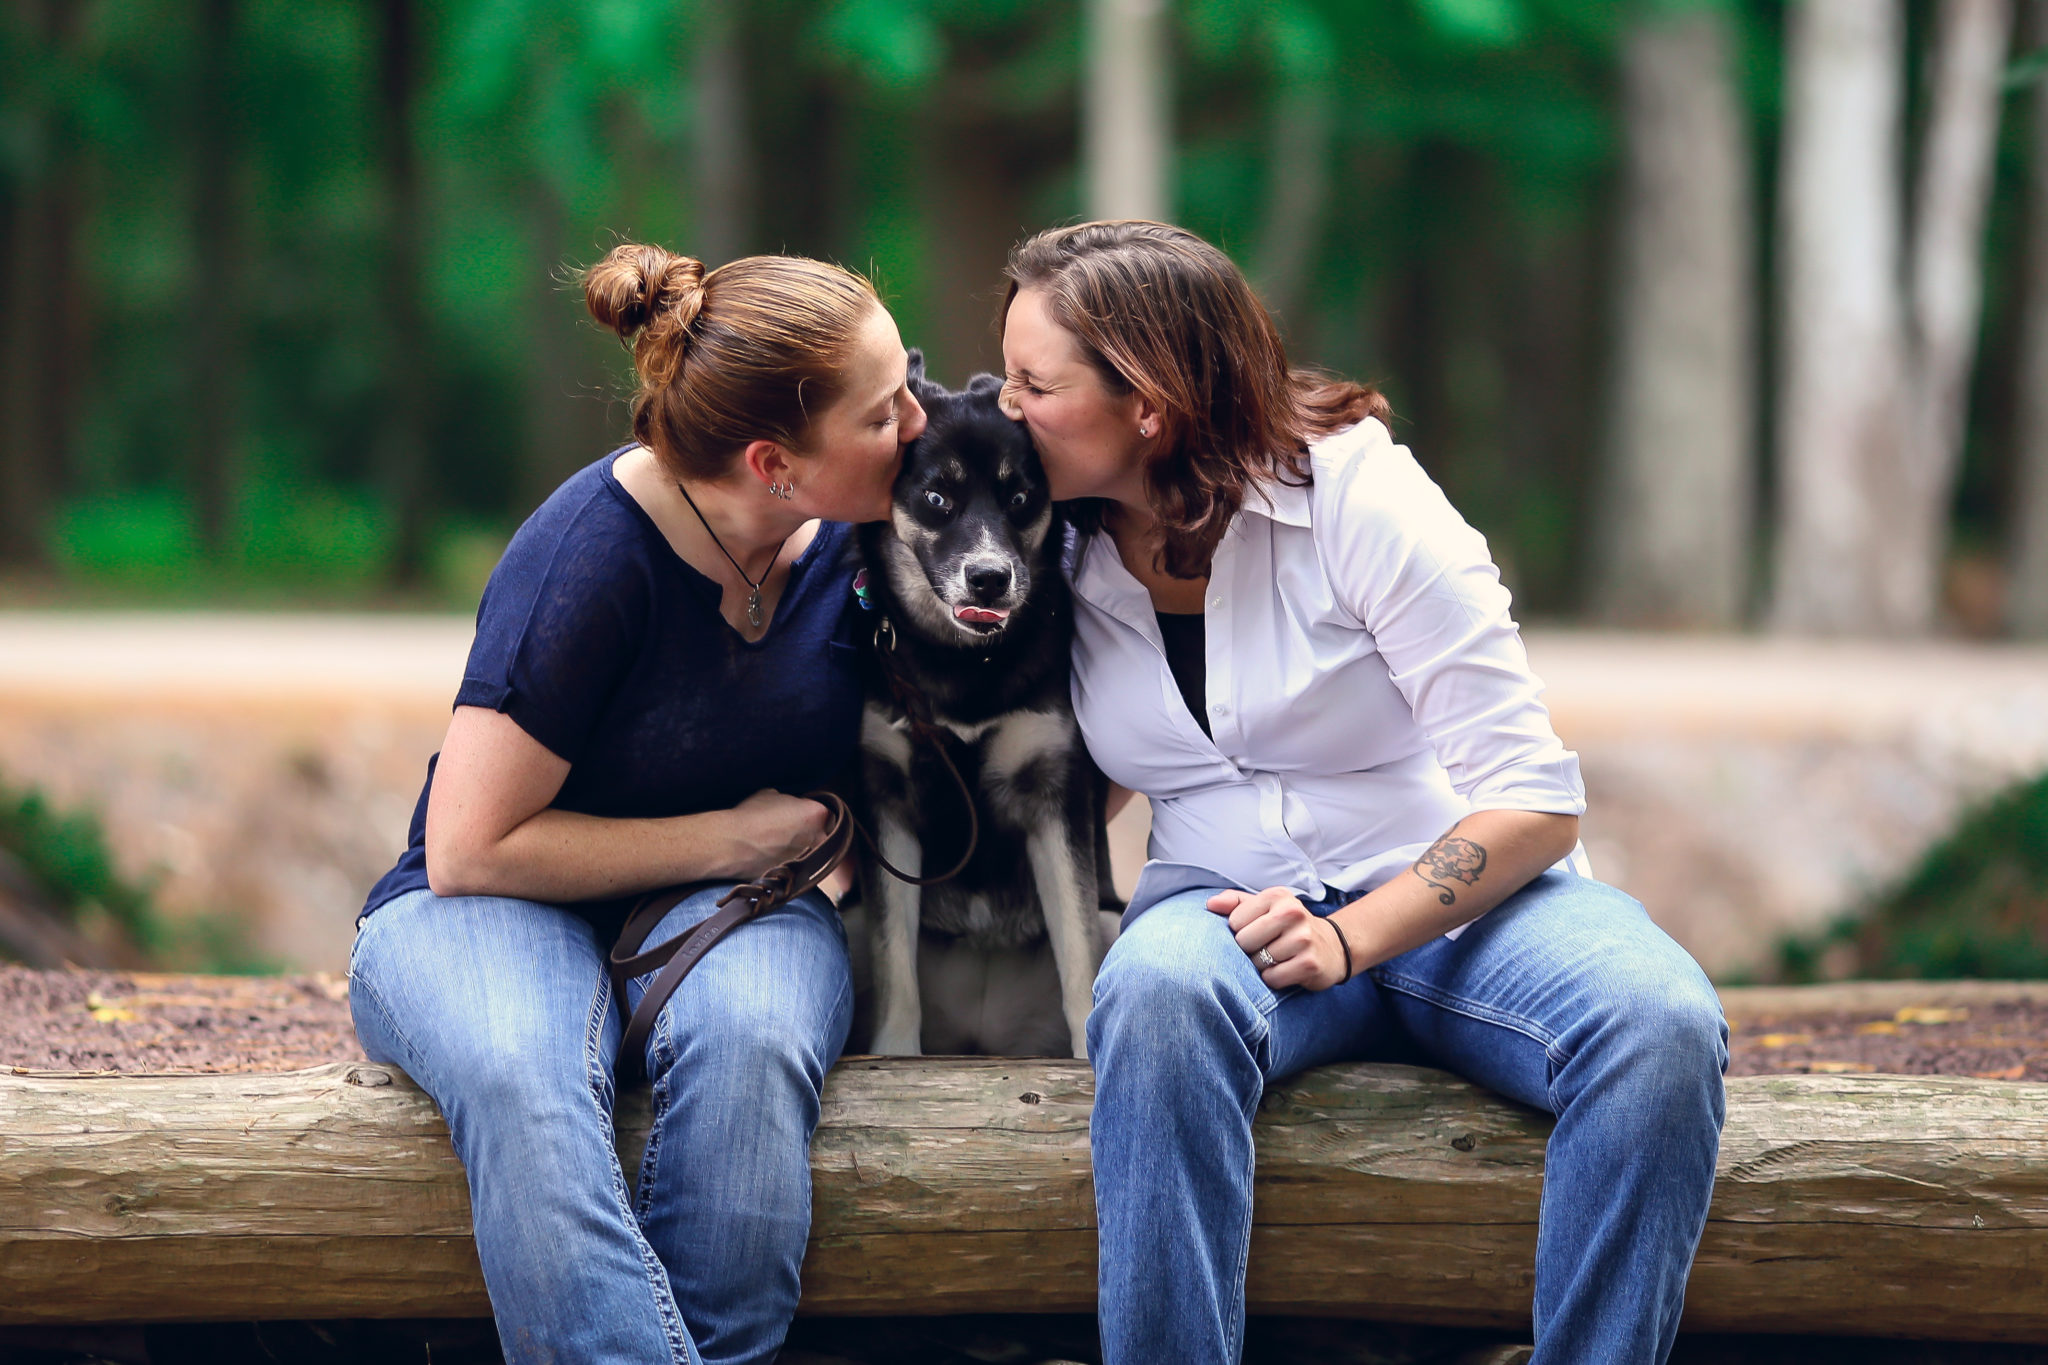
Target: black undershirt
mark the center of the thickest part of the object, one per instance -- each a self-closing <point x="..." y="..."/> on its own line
<point x="1187" y="659"/>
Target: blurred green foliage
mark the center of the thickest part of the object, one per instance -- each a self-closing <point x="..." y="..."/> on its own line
<point x="383" y="290"/>
<point x="1976" y="906"/>
<point x="65" y="856"/>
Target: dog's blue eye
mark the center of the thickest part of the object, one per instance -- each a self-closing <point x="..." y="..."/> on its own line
<point x="937" y="499"/>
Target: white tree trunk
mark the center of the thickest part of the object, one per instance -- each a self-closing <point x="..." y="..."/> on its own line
<point x="1842" y="434"/>
<point x="1124" y="114"/>
<point x="2028" y="601"/>
<point x="1950" y="199"/>
<point x="1678" y="489"/>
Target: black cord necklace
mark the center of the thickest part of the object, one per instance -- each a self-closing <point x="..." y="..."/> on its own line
<point x="753" y="588"/>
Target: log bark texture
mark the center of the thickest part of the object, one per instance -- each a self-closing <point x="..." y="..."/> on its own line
<point x="1895" y="1206"/>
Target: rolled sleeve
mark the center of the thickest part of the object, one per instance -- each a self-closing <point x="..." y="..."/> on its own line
<point x="1421" y="582"/>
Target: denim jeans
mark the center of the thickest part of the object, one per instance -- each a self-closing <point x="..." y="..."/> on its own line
<point x="501" y="1010"/>
<point x="1564" y="997"/>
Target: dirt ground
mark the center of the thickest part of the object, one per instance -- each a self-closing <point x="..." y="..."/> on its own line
<point x="128" y="1022"/>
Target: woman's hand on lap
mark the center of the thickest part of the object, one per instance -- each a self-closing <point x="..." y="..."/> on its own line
<point x="1306" y="952"/>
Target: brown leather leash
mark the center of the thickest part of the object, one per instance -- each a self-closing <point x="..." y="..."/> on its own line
<point x="779" y="885"/>
<point x="776" y="887"/>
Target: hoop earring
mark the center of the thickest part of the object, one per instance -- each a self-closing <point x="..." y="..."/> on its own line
<point x="785" y="491"/>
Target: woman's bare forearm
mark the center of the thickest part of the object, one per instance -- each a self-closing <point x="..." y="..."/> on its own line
<point x="558" y="855"/>
<point x="493" y="829"/>
<point x="1481" y="861"/>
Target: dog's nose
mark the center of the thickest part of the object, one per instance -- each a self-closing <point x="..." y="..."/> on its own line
<point x="988" y="581"/>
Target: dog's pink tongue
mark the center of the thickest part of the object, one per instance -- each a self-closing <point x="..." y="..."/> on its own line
<point x="981" y="615"/>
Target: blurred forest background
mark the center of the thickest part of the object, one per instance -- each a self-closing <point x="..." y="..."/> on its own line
<point x="1708" y="313"/>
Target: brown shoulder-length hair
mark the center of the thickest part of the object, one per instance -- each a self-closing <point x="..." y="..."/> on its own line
<point x="1159" y="311"/>
<point x="754" y="350"/>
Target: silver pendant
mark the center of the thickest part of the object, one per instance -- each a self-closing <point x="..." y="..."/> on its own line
<point x="754" y="608"/>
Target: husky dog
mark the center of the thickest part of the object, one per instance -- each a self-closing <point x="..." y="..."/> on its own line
<point x="969" y="622"/>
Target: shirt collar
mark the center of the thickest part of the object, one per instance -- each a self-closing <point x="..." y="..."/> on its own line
<point x="1286" y="503"/>
<point x="1099" y="576"/>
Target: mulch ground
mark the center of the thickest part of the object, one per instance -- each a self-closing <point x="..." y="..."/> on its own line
<point x="140" y="1021"/>
<point x="132" y="1022"/>
<point x="1994" y="1041"/>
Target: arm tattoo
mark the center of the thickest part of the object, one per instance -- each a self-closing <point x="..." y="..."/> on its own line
<point x="1451" y="860"/>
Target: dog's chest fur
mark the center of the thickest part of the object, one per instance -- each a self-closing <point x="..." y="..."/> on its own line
<point x="1021" y="767"/>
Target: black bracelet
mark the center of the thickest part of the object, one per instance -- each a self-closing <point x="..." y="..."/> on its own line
<point x="1343" y="943"/>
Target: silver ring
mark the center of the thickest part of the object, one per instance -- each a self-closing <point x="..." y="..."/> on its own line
<point x="1264" y="959"/>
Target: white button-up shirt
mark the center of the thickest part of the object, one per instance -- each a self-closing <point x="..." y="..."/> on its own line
<point x="1366" y="687"/>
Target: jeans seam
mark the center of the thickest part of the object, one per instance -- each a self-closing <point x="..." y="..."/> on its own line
<point x="658" y="1096"/>
<point x="1473" y="1009"/>
<point x="415" y="1066"/>
<point x="665" y="1307"/>
<point x="1244" y="1253"/>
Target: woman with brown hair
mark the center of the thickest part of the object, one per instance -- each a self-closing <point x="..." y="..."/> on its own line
<point x="1364" y="830"/>
<point x="661" y="656"/>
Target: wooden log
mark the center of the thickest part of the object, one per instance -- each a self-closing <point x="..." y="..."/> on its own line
<point x="1876" y="1205"/>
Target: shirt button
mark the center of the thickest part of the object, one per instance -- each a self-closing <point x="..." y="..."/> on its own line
<point x="1220" y="709"/>
<point x="1215" y="601"/>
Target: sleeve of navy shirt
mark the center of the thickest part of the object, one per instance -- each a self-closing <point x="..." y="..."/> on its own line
<point x="558" y="627"/>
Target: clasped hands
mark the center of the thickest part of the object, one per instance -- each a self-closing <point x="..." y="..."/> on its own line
<point x="1304" y="949"/>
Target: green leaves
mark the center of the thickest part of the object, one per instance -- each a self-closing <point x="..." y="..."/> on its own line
<point x="1485" y="23"/>
<point x="893" y="44"/>
<point x="2026" y="69"/>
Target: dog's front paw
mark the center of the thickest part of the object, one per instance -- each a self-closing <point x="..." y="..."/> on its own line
<point x="897" y="1042"/>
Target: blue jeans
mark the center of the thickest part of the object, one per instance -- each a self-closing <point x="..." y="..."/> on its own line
<point x="1564" y="997"/>
<point x="501" y="1010"/>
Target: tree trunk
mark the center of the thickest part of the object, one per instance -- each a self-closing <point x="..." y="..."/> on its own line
<point x="1679" y="483"/>
<point x="721" y="195"/>
<point x="2028" y="599"/>
<point x="1125" y="118"/>
<point x="963" y="1185"/>
<point x="1302" y="135"/>
<point x="216" y="281"/>
<point x="44" y="321"/>
<point x="1843" y="440"/>
<point x="408" y="390"/>
<point x="26" y="322"/>
<point x="970" y="189"/>
<point x="71" y="333"/>
<point x="566" y="423"/>
<point x="1950" y="199"/>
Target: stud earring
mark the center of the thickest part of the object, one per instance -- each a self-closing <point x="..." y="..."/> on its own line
<point x="1146" y="432"/>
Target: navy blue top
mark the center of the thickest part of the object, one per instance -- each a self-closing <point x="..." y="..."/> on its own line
<point x="609" y="649"/>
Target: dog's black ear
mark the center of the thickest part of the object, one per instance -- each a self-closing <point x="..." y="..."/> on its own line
<point x="984" y="385"/>
<point x="924" y="389"/>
